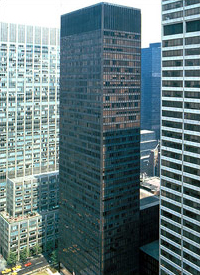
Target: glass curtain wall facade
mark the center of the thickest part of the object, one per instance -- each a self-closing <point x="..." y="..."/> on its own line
<point x="180" y="153"/>
<point x="99" y="140"/>
<point x="151" y="88"/>
<point x="29" y="90"/>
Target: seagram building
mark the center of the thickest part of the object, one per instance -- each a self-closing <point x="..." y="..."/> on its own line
<point x="99" y="140"/>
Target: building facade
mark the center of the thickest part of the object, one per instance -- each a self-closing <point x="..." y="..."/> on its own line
<point x="30" y="194"/>
<point x="180" y="153"/>
<point x="29" y="119"/>
<point x="34" y="229"/>
<point x="100" y="140"/>
<point x="29" y="86"/>
<point x="148" y="142"/>
<point x="149" y="258"/>
<point x="154" y="162"/>
<point x="151" y="88"/>
<point x="149" y="217"/>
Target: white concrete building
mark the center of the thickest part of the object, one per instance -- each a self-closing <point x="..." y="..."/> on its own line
<point x="180" y="138"/>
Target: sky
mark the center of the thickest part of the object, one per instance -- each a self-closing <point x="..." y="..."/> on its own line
<point x="47" y="13"/>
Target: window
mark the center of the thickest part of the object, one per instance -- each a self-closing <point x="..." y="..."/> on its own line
<point x="195" y="51"/>
<point x="172" y="63"/>
<point x="193" y="26"/>
<point x="191" y="2"/>
<point x="173" y="29"/>
<point x="173" y="42"/>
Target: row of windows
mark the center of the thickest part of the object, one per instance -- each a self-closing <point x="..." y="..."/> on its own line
<point x="171" y="206"/>
<point x="179" y="63"/>
<point x="170" y="267"/>
<point x="179" y="4"/>
<point x="191" y="26"/>
<point x="194" y="51"/>
<point x="171" y="134"/>
<point x="191" y="2"/>
<point x="172" y="42"/>
<point x="172" y="217"/>
<point x="170" y="195"/>
<point x="178" y="14"/>
<point x="178" y="146"/>
<point x="171" y="6"/>
<point x="172" y="114"/>
<point x="172" y="124"/>
<point x="171" y="185"/>
<point x="192" y="116"/>
<point x="172" y="15"/>
<point x="188" y="73"/>
<point x="179" y="41"/>
<point x="177" y="209"/>
<point x="178" y="83"/>
<point x="190" y="269"/>
<point x="172" y="93"/>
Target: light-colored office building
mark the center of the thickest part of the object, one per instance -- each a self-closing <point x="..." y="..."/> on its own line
<point x="29" y="123"/>
<point x="180" y="141"/>
<point x="32" y="214"/>
<point x="38" y="193"/>
<point x="29" y="90"/>
<point x="28" y="231"/>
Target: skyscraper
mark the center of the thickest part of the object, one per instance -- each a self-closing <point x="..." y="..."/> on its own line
<point x="29" y="90"/>
<point x="151" y="88"/>
<point x="180" y="153"/>
<point x="99" y="140"/>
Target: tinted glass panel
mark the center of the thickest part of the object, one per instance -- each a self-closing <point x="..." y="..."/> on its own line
<point x="193" y="26"/>
<point x="173" y="29"/>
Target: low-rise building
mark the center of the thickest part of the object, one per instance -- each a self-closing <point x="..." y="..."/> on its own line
<point x="151" y="184"/>
<point x="32" y="214"/>
<point x="149" y="258"/>
<point x="149" y="217"/>
<point x="32" y="193"/>
<point x="149" y="233"/>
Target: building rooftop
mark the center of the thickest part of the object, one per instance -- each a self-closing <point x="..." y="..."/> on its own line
<point x="101" y="3"/>
<point x="10" y="219"/>
<point x="151" y="249"/>
<point x="20" y="179"/>
<point x="145" y="194"/>
<point x="147" y="199"/>
<point x="142" y="132"/>
<point x="151" y="184"/>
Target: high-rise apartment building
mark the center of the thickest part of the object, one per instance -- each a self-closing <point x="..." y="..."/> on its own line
<point x="180" y="153"/>
<point x="151" y="88"/>
<point x="99" y="140"/>
<point x="29" y="90"/>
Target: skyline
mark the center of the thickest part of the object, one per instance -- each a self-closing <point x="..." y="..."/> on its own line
<point x="25" y="11"/>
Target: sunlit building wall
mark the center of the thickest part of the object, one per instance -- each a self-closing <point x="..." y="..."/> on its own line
<point x="29" y="91"/>
<point x="180" y="153"/>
